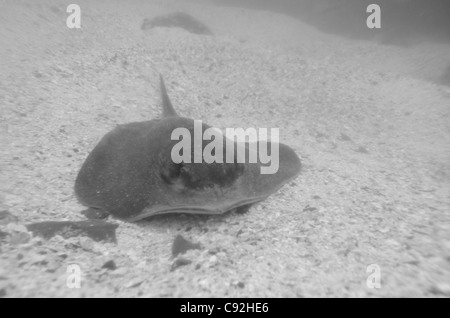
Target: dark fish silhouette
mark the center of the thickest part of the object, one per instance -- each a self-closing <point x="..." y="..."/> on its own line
<point x="177" y="20"/>
<point x="130" y="174"/>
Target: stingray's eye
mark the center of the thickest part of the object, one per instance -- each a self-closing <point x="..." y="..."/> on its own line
<point x="191" y="174"/>
<point x="228" y="173"/>
<point x="171" y="172"/>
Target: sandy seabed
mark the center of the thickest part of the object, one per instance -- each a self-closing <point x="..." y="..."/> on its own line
<point x="373" y="136"/>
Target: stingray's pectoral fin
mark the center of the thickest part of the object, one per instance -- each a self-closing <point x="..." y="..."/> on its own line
<point x="243" y="209"/>
<point x="95" y="214"/>
<point x="168" y="110"/>
<point x="285" y="167"/>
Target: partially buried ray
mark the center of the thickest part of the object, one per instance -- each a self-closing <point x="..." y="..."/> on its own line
<point x="130" y="173"/>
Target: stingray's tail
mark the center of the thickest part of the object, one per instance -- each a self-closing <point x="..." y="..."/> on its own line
<point x="168" y="110"/>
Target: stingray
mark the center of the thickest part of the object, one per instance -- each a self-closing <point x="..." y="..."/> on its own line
<point x="130" y="173"/>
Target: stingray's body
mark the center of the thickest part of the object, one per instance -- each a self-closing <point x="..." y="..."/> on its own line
<point x="130" y="173"/>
